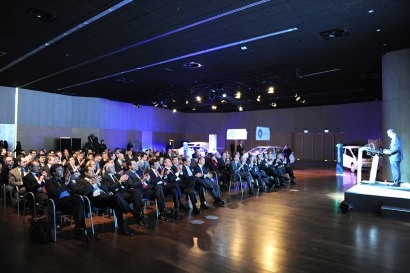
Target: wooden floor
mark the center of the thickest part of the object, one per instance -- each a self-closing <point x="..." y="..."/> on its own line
<point x="299" y="229"/>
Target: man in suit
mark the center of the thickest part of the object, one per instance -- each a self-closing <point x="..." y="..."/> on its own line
<point x="35" y="182"/>
<point x="395" y="153"/>
<point x="118" y="185"/>
<point x="62" y="190"/>
<point x="99" y="196"/>
<point x="240" y="148"/>
<point x="138" y="180"/>
<point x="239" y="168"/>
<point x="5" y="173"/>
<point x="192" y="183"/>
<point x="209" y="183"/>
<point x="173" y="180"/>
<point x="16" y="174"/>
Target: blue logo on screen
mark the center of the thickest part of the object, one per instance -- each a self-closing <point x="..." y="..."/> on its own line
<point x="260" y="133"/>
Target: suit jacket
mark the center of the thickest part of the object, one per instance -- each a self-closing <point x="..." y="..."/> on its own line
<point x="85" y="188"/>
<point x="31" y="184"/>
<point x="154" y="179"/>
<point x="55" y="188"/>
<point x="47" y="169"/>
<point x="15" y="178"/>
<point x="396" y="152"/>
<point x="133" y="180"/>
<point x="114" y="185"/>
<point x="236" y="167"/>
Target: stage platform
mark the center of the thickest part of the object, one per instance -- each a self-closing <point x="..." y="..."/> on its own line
<point x="379" y="197"/>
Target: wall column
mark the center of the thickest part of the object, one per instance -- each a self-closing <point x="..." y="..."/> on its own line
<point x="396" y="106"/>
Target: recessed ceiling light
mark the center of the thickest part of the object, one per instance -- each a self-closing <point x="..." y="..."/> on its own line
<point x="379" y="29"/>
<point x="370" y="11"/>
<point x="192" y="65"/>
<point x="42" y="14"/>
<point x="244" y="48"/>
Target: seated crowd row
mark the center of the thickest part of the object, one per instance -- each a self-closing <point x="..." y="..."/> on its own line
<point x="122" y="180"/>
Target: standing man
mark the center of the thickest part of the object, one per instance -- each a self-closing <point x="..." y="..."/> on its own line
<point x="395" y="153"/>
<point x="240" y="148"/>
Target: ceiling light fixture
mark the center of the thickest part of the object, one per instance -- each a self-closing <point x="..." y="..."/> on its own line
<point x="244" y="48"/>
<point x="186" y="102"/>
<point x="198" y="99"/>
<point x="274" y="104"/>
<point x="240" y="108"/>
<point x="140" y="43"/>
<point x="174" y="110"/>
<point x="188" y="55"/>
<point x="238" y="95"/>
<point x="297" y="98"/>
<point x="214" y="107"/>
<point x="258" y="98"/>
<point x="65" y="34"/>
<point x="271" y="90"/>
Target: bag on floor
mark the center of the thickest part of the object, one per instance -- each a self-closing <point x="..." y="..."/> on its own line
<point x="40" y="232"/>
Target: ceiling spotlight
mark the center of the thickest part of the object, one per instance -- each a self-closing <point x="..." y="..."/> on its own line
<point x="136" y="106"/>
<point x="193" y="108"/>
<point x="213" y="107"/>
<point x="258" y="98"/>
<point x="186" y="102"/>
<point x="240" y="108"/>
<point x="297" y="98"/>
<point x="223" y="95"/>
<point x="212" y="94"/>
<point x="244" y="48"/>
<point x="198" y="99"/>
<point x="174" y="110"/>
<point x="306" y="131"/>
<point x="303" y="101"/>
<point x="223" y="101"/>
<point x="274" y="104"/>
<point x="238" y="95"/>
<point x="326" y="130"/>
<point x="271" y="90"/>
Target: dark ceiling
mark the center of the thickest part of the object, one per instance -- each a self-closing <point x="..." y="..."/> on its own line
<point x="137" y="52"/>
